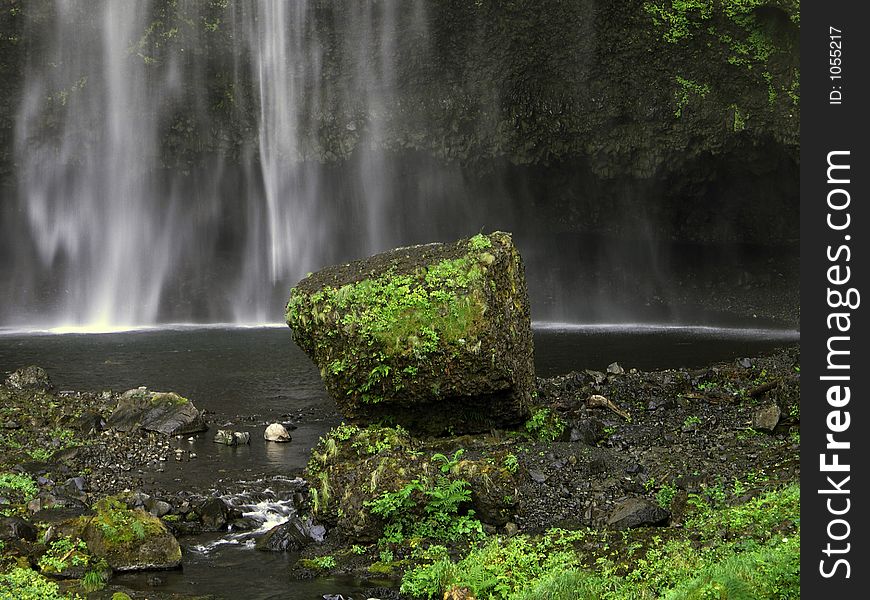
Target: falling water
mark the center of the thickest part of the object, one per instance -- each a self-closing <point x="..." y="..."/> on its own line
<point x="121" y="238"/>
<point x="189" y="161"/>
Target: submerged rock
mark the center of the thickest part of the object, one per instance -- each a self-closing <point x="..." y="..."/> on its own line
<point x="163" y="412"/>
<point x="435" y="337"/>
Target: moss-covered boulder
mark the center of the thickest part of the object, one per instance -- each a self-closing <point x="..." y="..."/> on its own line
<point x="163" y="412"/>
<point x="435" y="337"/>
<point x="380" y="483"/>
<point x="129" y="540"/>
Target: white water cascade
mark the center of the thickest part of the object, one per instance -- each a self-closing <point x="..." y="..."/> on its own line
<point x="119" y="237"/>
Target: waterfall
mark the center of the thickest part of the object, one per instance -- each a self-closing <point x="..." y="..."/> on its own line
<point x="119" y="237"/>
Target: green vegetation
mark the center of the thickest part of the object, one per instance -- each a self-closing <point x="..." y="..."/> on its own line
<point x="735" y="30"/>
<point x="63" y="553"/>
<point x="321" y="563"/>
<point x="429" y="509"/>
<point x="691" y="422"/>
<point x="20" y="489"/>
<point x="746" y="551"/>
<point x="688" y="88"/>
<point x="121" y="526"/>
<point x="24" y="584"/>
<point x="545" y="425"/>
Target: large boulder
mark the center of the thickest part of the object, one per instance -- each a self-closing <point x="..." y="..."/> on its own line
<point x="435" y="337"/>
<point x="163" y="412"/>
<point x="130" y="540"/>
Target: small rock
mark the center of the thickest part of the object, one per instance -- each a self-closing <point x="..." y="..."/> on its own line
<point x="511" y="529"/>
<point x="538" y="477"/>
<point x="635" y="512"/>
<point x="766" y="418"/>
<point x="229" y="437"/>
<point x="90" y="422"/>
<point x="276" y="432"/>
<point x="615" y="369"/>
<point x="159" y="508"/>
<point x="745" y="362"/>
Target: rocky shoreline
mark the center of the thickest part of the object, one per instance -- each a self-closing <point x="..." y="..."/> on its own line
<point x="603" y="451"/>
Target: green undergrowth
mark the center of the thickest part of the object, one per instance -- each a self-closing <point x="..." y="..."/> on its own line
<point x="20" y="583"/>
<point x="745" y="552"/>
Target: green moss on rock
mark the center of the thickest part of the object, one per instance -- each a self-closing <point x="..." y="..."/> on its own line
<point x="129" y="539"/>
<point x="435" y="337"/>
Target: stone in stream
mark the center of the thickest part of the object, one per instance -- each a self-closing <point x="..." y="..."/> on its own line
<point x="163" y="412"/>
<point x="276" y="432"/>
<point x="228" y="437"/>
<point x="435" y="338"/>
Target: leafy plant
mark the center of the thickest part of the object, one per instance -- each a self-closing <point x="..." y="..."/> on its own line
<point x="24" y="584"/>
<point x="511" y="463"/>
<point x="545" y="425"/>
<point x="448" y="464"/>
<point x="64" y="552"/>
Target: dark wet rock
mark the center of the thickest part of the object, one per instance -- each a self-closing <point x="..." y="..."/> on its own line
<point x="228" y="437"/>
<point x="661" y="403"/>
<point x="636" y="512"/>
<point x="90" y="422"/>
<point x="589" y="432"/>
<point x="435" y="337"/>
<point x="287" y="537"/>
<point x="215" y="514"/>
<point x="766" y="418"/>
<point x="30" y="378"/>
<point x="16" y="528"/>
<point x="162" y="412"/>
<point x="276" y="432"/>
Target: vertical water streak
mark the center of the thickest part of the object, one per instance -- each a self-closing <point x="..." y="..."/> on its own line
<point x="87" y="149"/>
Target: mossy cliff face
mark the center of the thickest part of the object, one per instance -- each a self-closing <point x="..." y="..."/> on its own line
<point x="435" y="337"/>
